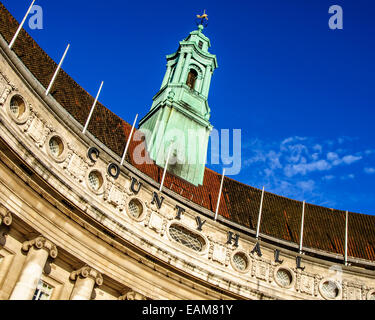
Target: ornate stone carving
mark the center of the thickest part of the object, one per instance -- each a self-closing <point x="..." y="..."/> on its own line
<point x="261" y="267"/>
<point x="86" y="272"/>
<point x="114" y="195"/>
<point x="5" y="88"/>
<point x="41" y="243"/>
<point x="307" y="284"/>
<point x="262" y="270"/>
<point x="5" y="216"/>
<point x="352" y="290"/>
<point x="75" y="165"/>
<point x="132" y="295"/>
<point x="37" y="128"/>
<point x="156" y="222"/>
<point x="218" y="252"/>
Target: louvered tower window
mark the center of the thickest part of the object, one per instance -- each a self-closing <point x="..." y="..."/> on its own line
<point x="192" y="78"/>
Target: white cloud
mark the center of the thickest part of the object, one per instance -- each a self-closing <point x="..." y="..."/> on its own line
<point x="347" y="177"/>
<point x="318" y="148"/>
<point x="349" y="159"/>
<point x="304" y="168"/>
<point x="306" y="186"/>
<point x="300" y="167"/>
<point x="369" y="151"/>
<point x="369" y="170"/>
<point x="332" y="156"/>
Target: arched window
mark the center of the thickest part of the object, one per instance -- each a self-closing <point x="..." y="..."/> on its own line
<point x="192" y="78"/>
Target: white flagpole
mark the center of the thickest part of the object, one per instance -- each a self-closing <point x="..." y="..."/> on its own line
<point x="57" y="70"/>
<point x="92" y="108"/>
<point x="260" y="214"/>
<point x="218" y="199"/>
<point x="165" y="169"/>
<point x="20" y="26"/>
<point x="128" y="143"/>
<point x="346" y="238"/>
<point x="302" y="223"/>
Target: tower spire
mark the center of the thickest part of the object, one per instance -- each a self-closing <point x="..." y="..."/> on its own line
<point x="180" y="114"/>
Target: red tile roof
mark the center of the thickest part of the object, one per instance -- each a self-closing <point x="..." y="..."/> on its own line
<point x="324" y="228"/>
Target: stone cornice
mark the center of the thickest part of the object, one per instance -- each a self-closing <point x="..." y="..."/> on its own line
<point x="88" y="272"/>
<point x="41" y="243"/>
<point x="5" y="216"/>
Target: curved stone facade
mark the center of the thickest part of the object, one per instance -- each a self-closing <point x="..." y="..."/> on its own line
<point x="67" y="221"/>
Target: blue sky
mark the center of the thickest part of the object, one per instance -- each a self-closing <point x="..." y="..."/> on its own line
<point x="302" y="94"/>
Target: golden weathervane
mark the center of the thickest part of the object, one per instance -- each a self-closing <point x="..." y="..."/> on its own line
<point x="202" y="20"/>
<point x="203" y="16"/>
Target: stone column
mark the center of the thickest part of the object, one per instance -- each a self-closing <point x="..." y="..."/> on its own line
<point x="185" y="69"/>
<point x="38" y="251"/>
<point x="207" y="81"/>
<point x="132" y="295"/>
<point x="85" y="279"/>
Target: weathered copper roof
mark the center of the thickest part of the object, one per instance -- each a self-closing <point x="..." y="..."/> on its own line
<point x="324" y="228"/>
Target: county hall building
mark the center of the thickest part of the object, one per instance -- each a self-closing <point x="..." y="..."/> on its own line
<point x="82" y="219"/>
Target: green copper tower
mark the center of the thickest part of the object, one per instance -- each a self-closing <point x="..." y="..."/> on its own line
<point x="179" y="117"/>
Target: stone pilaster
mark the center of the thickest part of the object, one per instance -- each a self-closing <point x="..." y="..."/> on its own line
<point x="39" y="250"/>
<point x="185" y="69"/>
<point x="166" y="77"/>
<point x="207" y="81"/>
<point x="180" y="63"/>
<point x="132" y="295"/>
<point x="85" y="279"/>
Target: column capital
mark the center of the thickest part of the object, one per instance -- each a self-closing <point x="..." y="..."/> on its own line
<point x="5" y="216"/>
<point x="88" y="272"/>
<point x="41" y="243"/>
<point x="132" y="295"/>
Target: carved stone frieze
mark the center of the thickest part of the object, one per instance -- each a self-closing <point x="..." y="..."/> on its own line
<point x="352" y="290"/>
<point x="132" y="295"/>
<point x="87" y="272"/>
<point x="306" y="282"/>
<point x="219" y="252"/>
<point x="75" y="164"/>
<point x="41" y="243"/>
<point x="37" y="128"/>
<point x="262" y="270"/>
<point x="115" y="195"/>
